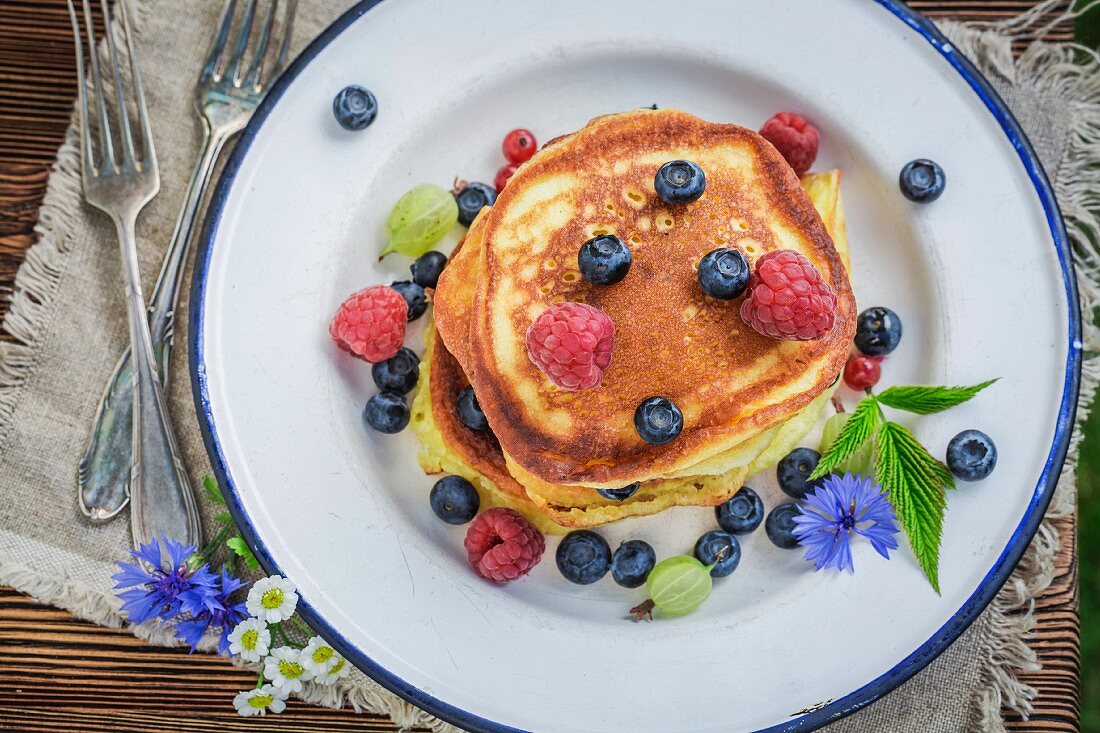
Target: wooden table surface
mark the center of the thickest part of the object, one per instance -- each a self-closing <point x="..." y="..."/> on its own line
<point x="61" y="674"/>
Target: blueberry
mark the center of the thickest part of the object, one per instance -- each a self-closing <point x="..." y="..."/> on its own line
<point x="398" y="373"/>
<point x="922" y="181"/>
<point x="604" y="260"/>
<point x="472" y="199"/>
<point x="427" y="268"/>
<point x="454" y="500"/>
<point x="620" y="494"/>
<point x="469" y="411"/>
<point x="724" y="273"/>
<point x="793" y="470"/>
<point x="720" y="549"/>
<point x="658" y="421"/>
<point x="680" y="182"/>
<point x="878" y="331"/>
<point x="583" y="557"/>
<point x="741" y="513"/>
<point x="780" y="525"/>
<point x="355" y="108"/>
<point x="414" y="295"/>
<point x="632" y="562"/>
<point x="971" y="455"/>
<point x="387" y="412"/>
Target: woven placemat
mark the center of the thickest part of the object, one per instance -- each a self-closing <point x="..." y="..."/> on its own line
<point x="68" y="317"/>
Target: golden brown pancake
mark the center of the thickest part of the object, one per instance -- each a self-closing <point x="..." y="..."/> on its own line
<point x="671" y="340"/>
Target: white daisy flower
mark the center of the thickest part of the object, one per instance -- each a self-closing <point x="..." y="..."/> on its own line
<point x="251" y="640"/>
<point x="337" y="670"/>
<point x="272" y="599"/>
<point x="259" y="701"/>
<point x="284" y="668"/>
<point x="318" y="657"/>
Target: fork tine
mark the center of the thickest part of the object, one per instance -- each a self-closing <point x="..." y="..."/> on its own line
<point x="107" y="148"/>
<point x="232" y="70"/>
<point x="125" y="136"/>
<point x="88" y="168"/>
<point x="260" y="51"/>
<point x="288" y="30"/>
<point x="148" y="153"/>
<point x="218" y="46"/>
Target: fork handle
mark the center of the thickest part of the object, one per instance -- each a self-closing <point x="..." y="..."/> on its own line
<point x="103" y="477"/>
<point x="161" y="501"/>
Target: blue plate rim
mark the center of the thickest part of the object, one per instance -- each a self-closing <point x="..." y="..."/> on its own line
<point x="833" y="709"/>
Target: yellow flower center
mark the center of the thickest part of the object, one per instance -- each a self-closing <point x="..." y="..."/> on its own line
<point x="272" y="598"/>
<point x="322" y="654"/>
<point x="338" y="666"/>
<point x="249" y="639"/>
<point x="261" y="701"/>
<point x="290" y="670"/>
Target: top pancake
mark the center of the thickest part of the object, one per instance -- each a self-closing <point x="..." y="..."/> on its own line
<point x="671" y="340"/>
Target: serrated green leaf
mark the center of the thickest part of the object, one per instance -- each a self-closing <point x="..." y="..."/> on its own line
<point x="926" y="400"/>
<point x="241" y="548"/>
<point x="915" y="484"/>
<point x="224" y="518"/>
<point x="213" y="493"/>
<point x="863" y="423"/>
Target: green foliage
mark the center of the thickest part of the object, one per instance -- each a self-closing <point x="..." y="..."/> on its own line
<point x="915" y="483"/>
<point x="1088" y="523"/>
<point x="926" y="400"/>
<point x="242" y="550"/>
<point x="865" y="420"/>
<point x="213" y="493"/>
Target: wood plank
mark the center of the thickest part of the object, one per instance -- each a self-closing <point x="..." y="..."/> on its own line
<point x="61" y="674"/>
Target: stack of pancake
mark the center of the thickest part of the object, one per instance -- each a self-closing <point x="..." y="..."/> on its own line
<point x="747" y="399"/>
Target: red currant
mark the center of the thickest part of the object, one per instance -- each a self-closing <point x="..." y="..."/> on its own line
<point x="519" y="146"/>
<point x="503" y="175"/>
<point x="862" y="372"/>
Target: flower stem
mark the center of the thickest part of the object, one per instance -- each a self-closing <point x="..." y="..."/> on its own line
<point x="301" y="624"/>
<point x="279" y="632"/>
<point x="643" y="610"/>
<point x="260" y="679"/>
<point x="216" y="542"/>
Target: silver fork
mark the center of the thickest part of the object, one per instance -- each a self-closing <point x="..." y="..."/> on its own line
<point x="120" y="183"/>
<point x="228" y="90"/>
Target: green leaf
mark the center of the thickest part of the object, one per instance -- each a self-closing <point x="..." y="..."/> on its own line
<point x="926" y="400"/>
<point x="223" y="518"/>
<point x="863" y="423"/>
<point x="213" y="493"/>
<point x="915" y="484"/>
<point x="238" y="545"/>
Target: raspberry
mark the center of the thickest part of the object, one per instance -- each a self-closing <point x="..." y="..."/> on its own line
<point x="794" y="138"/>
<point x="572" y="343"/>
<point x="502" y="545"/>
<point x="370" y="324"/>
<point x="788" y="299"/>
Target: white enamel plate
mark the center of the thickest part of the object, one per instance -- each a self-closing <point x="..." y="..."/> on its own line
<point x="981" y="278"/>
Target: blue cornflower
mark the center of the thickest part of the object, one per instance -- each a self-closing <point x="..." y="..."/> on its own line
<point x="212" y="611"/>
<point x="840" y="506"/>
<point x="155" y="591"/>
